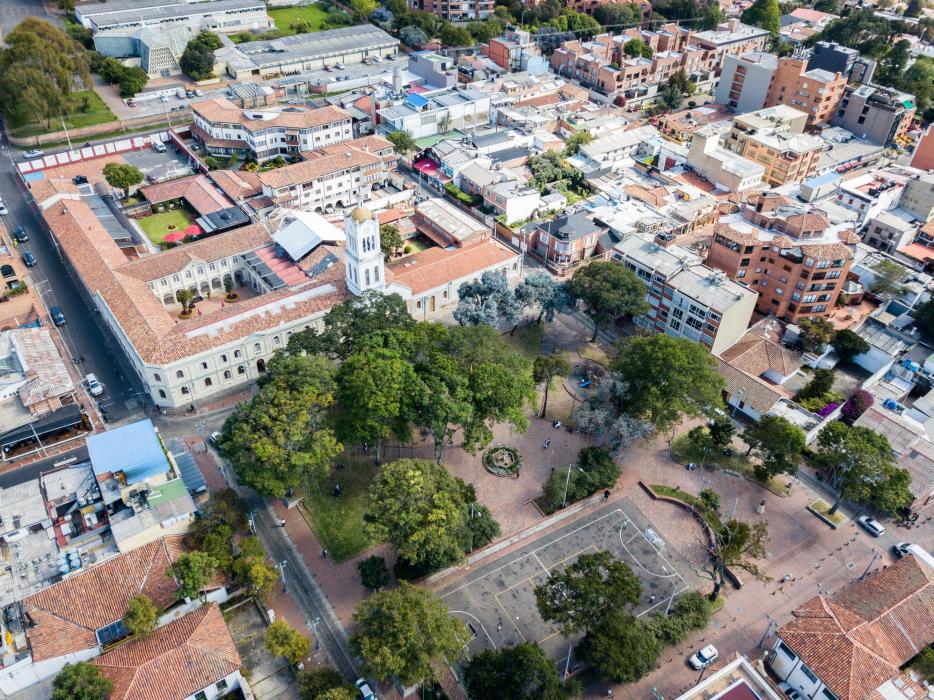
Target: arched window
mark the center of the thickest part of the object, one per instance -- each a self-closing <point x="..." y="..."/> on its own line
<point x="208" y="382"/>
<point x="185" y="391"/>
<point x="236" y="353"/>
<point x="161" y="394"/>
<point x="7" y="271"/>
<point x="367" y="274"/>
<point x="227" y="375"/>
<point x="157" y="377"/>
<point x="179" y="374"/>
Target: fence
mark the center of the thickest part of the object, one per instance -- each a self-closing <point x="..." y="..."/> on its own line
<point x="99" y="129"/>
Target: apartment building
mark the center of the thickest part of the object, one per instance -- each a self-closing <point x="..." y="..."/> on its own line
<point x="455" y="10"/>
<point x="878" y="114"/>
<point x="224" y="128"/>
<point x="773" y="138"/>
<point x="688" y="298"/>
<point x="564" y="242"/>
<point x="815" y="92"/>
<point x="421" y="113"/>
<point x="832" y="57"/>
<point x="724" y="169"/>
<point x="788" y="252"/>
<point x="730" y="38"/>
<point x="333" y="177"/>
<point x="515" y="51"/>
<point x="745" y="80"/>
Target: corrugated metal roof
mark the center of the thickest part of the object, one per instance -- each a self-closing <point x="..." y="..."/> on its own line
<point x="191" y="475"/>
<point x="316" y="45"/>
<point x="133" y="449"/>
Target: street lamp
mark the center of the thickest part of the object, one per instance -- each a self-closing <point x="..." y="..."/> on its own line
<point x="567" y="482"/>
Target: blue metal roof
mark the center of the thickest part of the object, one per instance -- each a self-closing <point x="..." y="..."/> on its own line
<point x="416" y="101"/>
<point x="133" y="449"/>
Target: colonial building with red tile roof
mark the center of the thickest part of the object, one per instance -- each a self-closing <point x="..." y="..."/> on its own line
<point x="845" y="646"/>
<point x="180" y="659"/>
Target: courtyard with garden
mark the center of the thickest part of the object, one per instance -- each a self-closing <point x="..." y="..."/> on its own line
<point x="171" y="226"/>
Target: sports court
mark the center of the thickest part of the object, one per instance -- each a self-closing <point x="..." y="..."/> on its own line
<point x="497" y="601"/>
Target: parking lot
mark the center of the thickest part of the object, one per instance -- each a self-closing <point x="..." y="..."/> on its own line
<point x="157" y="166"/>
<point x="497" y="602"/>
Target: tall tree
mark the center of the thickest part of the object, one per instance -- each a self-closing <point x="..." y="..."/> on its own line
<point x="722" y="431"/>
<point x="81" y="681"/>
<point x="848" y="344"/>
<point x="541" y="291"/>
<point x="401" y="633"/>
<point x="376" y="392"/>
<point x="604" y="414"/>
<point x="140" y="616"/>
<point x="736" y="545"/>
<point x="575" y="599"/>
<point x="486" y="300"/>
<point x="610" y="290"/>
<point x="39" y="68"/>
<point x="777" y="443"/>
<point x="282" y="640"/>
<point x="192" y="571"/>
<point x="668" y="377"/>
<point x="544" y="368"/>
<point x="402" y="141"/>
<point x="620" y="647"/>
<point x="389" y="240"/>
<point x="350" y="323"/>
<point x="197" y="59"/>
<point x="418" y="507"/>
<point x="281" y="438"/>
<point x="815" y="333"/>
<point x="859" y="462"/>
<point x="764" y="14"/>
<point x="522" y="672"/>
<point x="122" y="176"/>
<point x="315" y="681"/>
<point x="888" y="277"/>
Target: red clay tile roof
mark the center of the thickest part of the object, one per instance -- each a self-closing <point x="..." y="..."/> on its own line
<point x="212" y="142"/>
<point x="757" y="394"/>
<point x="176" y="661"/>
<point x="197" y="190"/>
<point x="436" y="266"/>
<point x="332" y="159"/>
<point x="221" y="110"/>
<point x="858" y="639"/>
<point x="68" y="614"/>
<point x="237" y="184"/>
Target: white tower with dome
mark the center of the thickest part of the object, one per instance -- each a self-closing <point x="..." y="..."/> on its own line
<point x="363" y="258"/>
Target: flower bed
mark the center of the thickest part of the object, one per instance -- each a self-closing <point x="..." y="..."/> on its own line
<point x="501" y="460"/>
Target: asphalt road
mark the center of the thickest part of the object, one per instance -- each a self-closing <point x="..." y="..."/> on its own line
<point x="18" y="475"/>
<point x="82" y="334"/>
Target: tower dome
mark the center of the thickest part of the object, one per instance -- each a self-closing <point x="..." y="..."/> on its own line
<point x="361" y="214"/>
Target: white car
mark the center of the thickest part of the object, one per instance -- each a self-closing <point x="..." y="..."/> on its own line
<point x="215" y="436"/>
<point x="873" y="527"/>
<point x="95" y="388"/>
<point x="704" y="657"/>
<point x="29" y="155"/>
<point x="364" y="688"/>
<point x="3" y="209"/>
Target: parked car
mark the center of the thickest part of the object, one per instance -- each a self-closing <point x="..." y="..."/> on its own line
<point x="95" y="388"/>
<point x="215" y="438"/>
<point x="873" y="527"/>
<point x="199" y="93"/>
<point x="163" y="98"/>
<point x="195" y="147"/>
<point x="36" y="153"/>
<point x="790" y="692"/>
<point x="364" y="688"/>
<point x="904" y="549"/>
<point x="19" y="233"/>
<point x="704" y="657"/>
<point x="58" y="318"/>
<point x="29" y="259"/>
<point x="339" y="66"/>
<point x="189" y="93"/>
<point x="3" y="210"/>
<point x="377" y="59"/>
<point x="158" y="147"/>
<point x="79" y="180"/>
<point x="131" y="102"/>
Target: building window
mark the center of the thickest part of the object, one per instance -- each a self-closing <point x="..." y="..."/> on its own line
<point x="227" y="375"/>
<point x="223" y="358"/>
<point x="200" y="695"/>
<point x="241" y="369"/>
<point x="204" y="365"/>
<point x="276" y="340"/>
<point x="256" y="347"/>
<point x="185" y="391"/>
<point x="161" y="394"/>
<point x="157" y="377"/>
<point x="208" y="382"/>
<point x="221" y="684"/>
<point x="809" y="673"/>
<point x="179" y="374"/>
<point x="236" y="354"/>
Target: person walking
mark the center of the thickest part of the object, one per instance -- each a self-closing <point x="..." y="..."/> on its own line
<point x="606" y="495"/>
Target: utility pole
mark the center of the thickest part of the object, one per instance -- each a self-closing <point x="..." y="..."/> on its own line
<point x="251" y="520"/>
<point x="313" y="625"/>
<point x="875" y="555"/>
<point x="280" y="567"/>
<point x="567" y="664"/>
<point x="768" y="631"/>
<point x="67" y="137"/>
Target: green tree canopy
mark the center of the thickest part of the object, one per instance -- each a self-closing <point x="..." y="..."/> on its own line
<point x="575" y="598"/>
<point x="403" y="632"/>
<point x="389" y="240"/>
<point x="777" y="443"/>
<point x="619" y="647"/>
<point x="402" y="141"/>
<point x="81" y="681"/>
<point x="618" y="15"/>
<point x="122" y="176"/>
<point x="860" y="464"/>
<point x="522" y="672"/>
<point x="362" y="9"/>
<point x="140" y="616"/>
<point x="634" y="48"/>
<point x="888" y="277"/>
<point x="764" y="14"/>
<point x="192" y="571"/>
<point x="281" y="438"/>
<point x="418" y="507"/>
<point x="452" y="35"/>
<point x="924" y="319"/>
<point x="132" y="81"/>
<point x="815" y="333"/>
<point x="198" y="58"/>
<point x="610" y="290"/>
<point x="667" y="378"/>
<point x="540" y="291"/>
<point x="315" y="681"/>
<point x="737" y="545"/>
<point x="350" y="323"/>
<point x="39" y="68"/>
<point x="848" y="344"/>
<point x="575" y="141"/>
<point x="282" y="640"/>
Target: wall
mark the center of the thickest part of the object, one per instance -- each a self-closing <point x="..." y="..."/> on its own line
<point x="77" y="135"/>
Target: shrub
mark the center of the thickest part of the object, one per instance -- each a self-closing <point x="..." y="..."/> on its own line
<point x="820" y="384"/>
<point x="600" y="471"/>
<point x="213" y="163"/>
<point x="860" y="400"/>
<point x="407" y="249"/>
<point x="373" y="572"/>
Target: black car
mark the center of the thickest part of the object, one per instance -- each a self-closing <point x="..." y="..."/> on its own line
<point x="19" y="233"/>
<point x="29" y="259"/>
<point x="58" y="318"/>
<point x="79" y="180"/>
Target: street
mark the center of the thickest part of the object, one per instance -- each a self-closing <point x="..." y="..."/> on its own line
<point x="82" y="334"/>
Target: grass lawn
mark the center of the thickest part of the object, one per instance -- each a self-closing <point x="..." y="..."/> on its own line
<point x="682" y="451"/>
<point x="338" y="522"/>
<point x="157" y="225"/>
<point x="527" y="339"/>
<point x="78" y="116"/>
<point x="314" y="15"/>
<point x="695" y="501"/>
<point x="823" y="508"/>
<point x="597" y="353"/>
